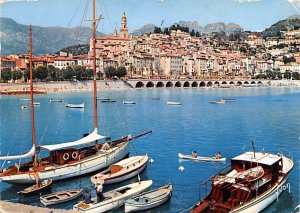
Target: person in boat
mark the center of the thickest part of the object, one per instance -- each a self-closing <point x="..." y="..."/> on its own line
<point x="99" y="189"/>
<point x="218" y="155"/>
<point x="194" y="154"/>
<point x="87" y="197"/>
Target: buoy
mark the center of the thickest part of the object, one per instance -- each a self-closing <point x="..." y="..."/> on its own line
<point x="151" y="160"/>
<point x="181" y="168"/>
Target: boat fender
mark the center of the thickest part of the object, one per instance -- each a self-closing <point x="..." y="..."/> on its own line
<point x="74" y="155"/>
<point x="66" y="156"/>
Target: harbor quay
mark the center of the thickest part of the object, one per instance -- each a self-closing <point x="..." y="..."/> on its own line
<point x="69" y="86"/>
<point x="8" y="207"/>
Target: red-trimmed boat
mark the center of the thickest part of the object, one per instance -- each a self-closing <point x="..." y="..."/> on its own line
<point x="250" y="184"/>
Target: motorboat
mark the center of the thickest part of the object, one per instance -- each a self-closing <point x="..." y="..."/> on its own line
<point x="103" y="98"/>
<point x="173" y="103"/>
<point x="23" y="107"/>
<point x="113" y="199"/>
<point x="36" y="103"/>
<point x="199" y="158"/>
<point x="252" y="182"/>
<point x="108" y="101"/>
<point x="129" y="102"/>
<point x="60" y="197"/>
<point x="56" y="100"/>
<point x="123" y="170"/>
<point x="149" y="199"/>
<point x="75" y="105"/>
<point x="218" y="102"/>
<point x="36" y="188"/>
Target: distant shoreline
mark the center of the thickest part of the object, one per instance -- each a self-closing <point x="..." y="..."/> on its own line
<point x="85" y="86"/>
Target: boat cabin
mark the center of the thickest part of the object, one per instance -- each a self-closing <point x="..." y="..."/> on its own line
<point x="248" y="177"/>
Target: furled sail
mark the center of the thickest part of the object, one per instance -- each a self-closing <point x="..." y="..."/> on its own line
<point x="27" y="155"/>
<point x="85" y="140"/>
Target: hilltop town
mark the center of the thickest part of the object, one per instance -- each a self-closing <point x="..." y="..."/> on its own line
<point x="172" y="53"/>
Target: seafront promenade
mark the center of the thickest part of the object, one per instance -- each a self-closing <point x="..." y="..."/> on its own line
<point x="77" y="86"/>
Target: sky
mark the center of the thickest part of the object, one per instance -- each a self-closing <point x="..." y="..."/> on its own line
<point x="254" y="15"/>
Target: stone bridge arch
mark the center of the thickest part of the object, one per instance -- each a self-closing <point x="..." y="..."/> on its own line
<point x="178" y="84"/>
<point x="195" y="84"/>
<point x="186" y="84"/>
<point x="150" y="84"/>
<point x="202" y="84"/>
<point x="139" y="84"/>
<point x="160" y="84"/>
<point x="169" y="84"/>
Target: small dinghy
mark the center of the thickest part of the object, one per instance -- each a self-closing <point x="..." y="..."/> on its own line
<point x="199" y="158"/>
<point x="114" y="198"/>
<point x="149" y="200"/>
<point x="173" y="103"/>
<point x="24" y="107"/>
<point x="35" y="188"/>
<point x="75" y="105"/>
<point x="104" y="99"/>
<point x="36" y="103"/>
<point x="123" y="170"/>
<point x="218" y="102"/>
<point x="60" y="197"/>
<point x="108" y="101"/>
<point x="129" y="102"/>
<point x="56" y="100"/>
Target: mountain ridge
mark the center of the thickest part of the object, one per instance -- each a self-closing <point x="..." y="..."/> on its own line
<point x="15" y="37"/>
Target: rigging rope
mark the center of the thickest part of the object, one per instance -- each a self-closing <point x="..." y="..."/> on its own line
<point x="106" y="14"/>
<point x="74" y="14"/>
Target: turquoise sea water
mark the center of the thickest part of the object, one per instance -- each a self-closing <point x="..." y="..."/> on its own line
<point x="268" y="116"/>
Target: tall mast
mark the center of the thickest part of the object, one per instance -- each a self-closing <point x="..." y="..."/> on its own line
<point x="94" y="67"/>
<point x="31" y="95"/>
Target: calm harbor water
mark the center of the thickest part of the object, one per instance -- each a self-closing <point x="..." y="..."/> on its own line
<point x="268" y="116"/>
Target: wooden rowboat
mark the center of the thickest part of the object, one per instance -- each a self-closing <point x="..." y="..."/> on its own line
<point x="114" y="198"/>
<point x="36" y="189"/>
<point x="149" y="200"/>
<point x="123" y="170"/>
<point x="60" y="197"/>
<point x="199" y="158"/>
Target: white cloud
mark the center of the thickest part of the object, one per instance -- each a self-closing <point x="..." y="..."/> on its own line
<point x="246" y="1"/>
<point x="6" y="1"/>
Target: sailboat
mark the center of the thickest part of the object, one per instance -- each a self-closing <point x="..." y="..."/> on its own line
<point x="66" y="160"/>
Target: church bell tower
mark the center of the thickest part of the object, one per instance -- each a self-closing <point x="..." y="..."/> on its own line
<point x="124" y="29"/>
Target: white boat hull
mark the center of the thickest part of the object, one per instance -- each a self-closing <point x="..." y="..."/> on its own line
<point x="90" y="164"/>
<point x="134" y="208"/>
<point x="189" y="157"/>
<point x="125" y="177"/>
<point x="116" y="202"/>
<point x="264" y="200"/>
